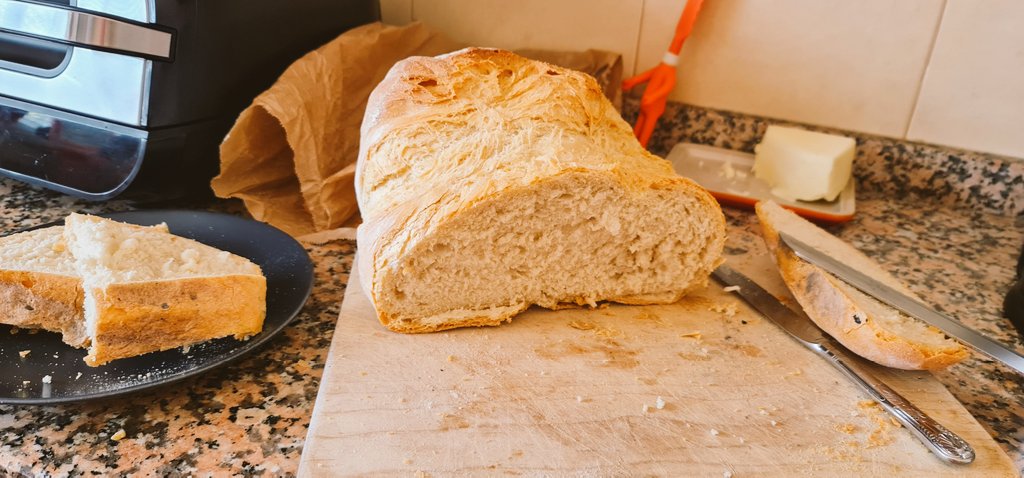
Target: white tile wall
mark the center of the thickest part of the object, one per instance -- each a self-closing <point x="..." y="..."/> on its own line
<point x="851" y="65"/>
<point x="855" y="65"/>
<point x="973" y="91"/>
<point x="612" y="25"/>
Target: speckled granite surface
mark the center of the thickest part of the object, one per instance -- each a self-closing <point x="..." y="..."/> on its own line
<point x="943" y="176"/>
<point x="250" y="418"/>
<point x="246" y="419"/>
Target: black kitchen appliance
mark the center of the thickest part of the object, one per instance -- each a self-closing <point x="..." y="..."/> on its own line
<point x="100" y="95"/>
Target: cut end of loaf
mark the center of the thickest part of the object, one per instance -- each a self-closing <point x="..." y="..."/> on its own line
<point x="860" y="322"/>
<point x="577" y="238"/>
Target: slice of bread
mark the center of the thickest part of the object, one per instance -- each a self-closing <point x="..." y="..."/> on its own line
<point x="489" y="182"/>
<point x="860" y="322"/>
<point x="147" y="291"/>
<point x="39" y="287"/>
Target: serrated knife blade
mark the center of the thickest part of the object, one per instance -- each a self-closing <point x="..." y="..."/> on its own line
<point x="942" y="442"/>
<point x="908" y="305"/>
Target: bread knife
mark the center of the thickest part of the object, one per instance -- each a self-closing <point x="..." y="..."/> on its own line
<point x="910" y="306"/>
<point x="942" y="442"/>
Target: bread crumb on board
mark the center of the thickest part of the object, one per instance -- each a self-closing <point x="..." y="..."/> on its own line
<point x="659" y="403"/>
<point x="646" y="314"/>
<point x="867" y="404"/>
<point x="847" y="428"/>
<point x="603" y="332"/>
<point x="118" y="435"/>
<point x="582" y="325"/>
<point x="646" y="408"/>
<point x="713" y="432"/>
<point x="47" y="379"/>
<point x="14" y="330"/>
<point x="726" y="474"/>
<point x="728" y="310"/>
<point x="732" y="288"/>
<point x="24" y="353"/>
<point x="691" y="335"/>
<point x="882" y="434"/>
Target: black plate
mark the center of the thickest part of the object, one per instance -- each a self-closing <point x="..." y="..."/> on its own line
<point x="289" y="281"/>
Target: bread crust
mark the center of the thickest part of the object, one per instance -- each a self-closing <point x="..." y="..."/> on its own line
<point x="403" y="202"/>
<point x="42" y="300"/>
<point x="138" y="318"/>
<point x="497" y="316"/>
<point x="830" y="304"/>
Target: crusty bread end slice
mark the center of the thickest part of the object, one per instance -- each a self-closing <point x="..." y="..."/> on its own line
<point x="860" y="322"/>
<point x="147" y="291"/>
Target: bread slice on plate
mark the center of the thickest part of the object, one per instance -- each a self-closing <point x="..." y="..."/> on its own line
<point x="145" y="290"/>
<point x="860" y="322"/>
<point x="39" y="287"/>
<point x="489" y="182"/>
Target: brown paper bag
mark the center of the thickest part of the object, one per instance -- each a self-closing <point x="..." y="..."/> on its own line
<point x="291" y="155"/>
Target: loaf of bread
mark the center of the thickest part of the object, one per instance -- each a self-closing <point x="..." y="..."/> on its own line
<point x="146" y="290"/>
<point x="488" y="183"/>
<point x="860" y="322"/>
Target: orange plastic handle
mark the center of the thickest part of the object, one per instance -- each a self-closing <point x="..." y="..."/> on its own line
<point x="685" y="25"/>
<point x="661" y="78"/>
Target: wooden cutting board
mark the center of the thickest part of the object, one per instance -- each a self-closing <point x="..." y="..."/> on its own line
<point x="705" y="387"/>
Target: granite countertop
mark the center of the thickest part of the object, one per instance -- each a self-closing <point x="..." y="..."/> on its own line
<point x="250" y="418"/>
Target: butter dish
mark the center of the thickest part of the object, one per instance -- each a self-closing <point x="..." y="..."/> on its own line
<point x="727" y="175"/>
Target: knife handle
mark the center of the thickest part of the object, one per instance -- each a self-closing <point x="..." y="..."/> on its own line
<point x="942" y="442"/>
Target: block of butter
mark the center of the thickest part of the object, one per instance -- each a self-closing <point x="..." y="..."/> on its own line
<point x="804" y="165"/>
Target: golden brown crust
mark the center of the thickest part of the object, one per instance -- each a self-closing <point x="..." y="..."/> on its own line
<point x="138" y="318"/>
<point x="419" y="327"/>
<point x="407" y="193"/>
<point x="845" y="318"/>
<point x="47" y="301"/>
<point x="485" y="320"/>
